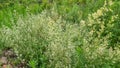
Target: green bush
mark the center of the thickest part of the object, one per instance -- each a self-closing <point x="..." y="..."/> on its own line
<point x="105" y="21"/>
<point x="42" y="39"/>
<point x="99" y="48"/>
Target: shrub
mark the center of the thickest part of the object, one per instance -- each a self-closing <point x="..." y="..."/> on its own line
<point x="99" y="48"/>
<point x="45" y="39"/>
<point x="104" y="22"/>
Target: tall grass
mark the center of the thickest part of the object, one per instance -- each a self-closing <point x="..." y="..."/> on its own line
<point x="73" y="10"/>
<point x="42" y="39"/>
<point x="48" y="40"/>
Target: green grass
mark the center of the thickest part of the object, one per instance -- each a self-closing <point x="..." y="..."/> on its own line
<point x="9" y="13"/>
<point x="71" y="10"/>
<point x="62" y="34"/>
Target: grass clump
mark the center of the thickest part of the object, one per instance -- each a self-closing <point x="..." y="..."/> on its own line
<point x="41" y="39"/>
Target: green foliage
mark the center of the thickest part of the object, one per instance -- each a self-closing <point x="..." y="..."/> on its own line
<point x="32" y="63"/>
<point x="68" y="34"/>
<point x="105" y="21"/>
<point x="36" y="38"/>
<point x="73" y="10"/>
<point x="99" y="47"/>
<point x="14" y="9"/>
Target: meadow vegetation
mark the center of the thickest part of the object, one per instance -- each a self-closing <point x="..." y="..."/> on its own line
<point x="62" y="34"/>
